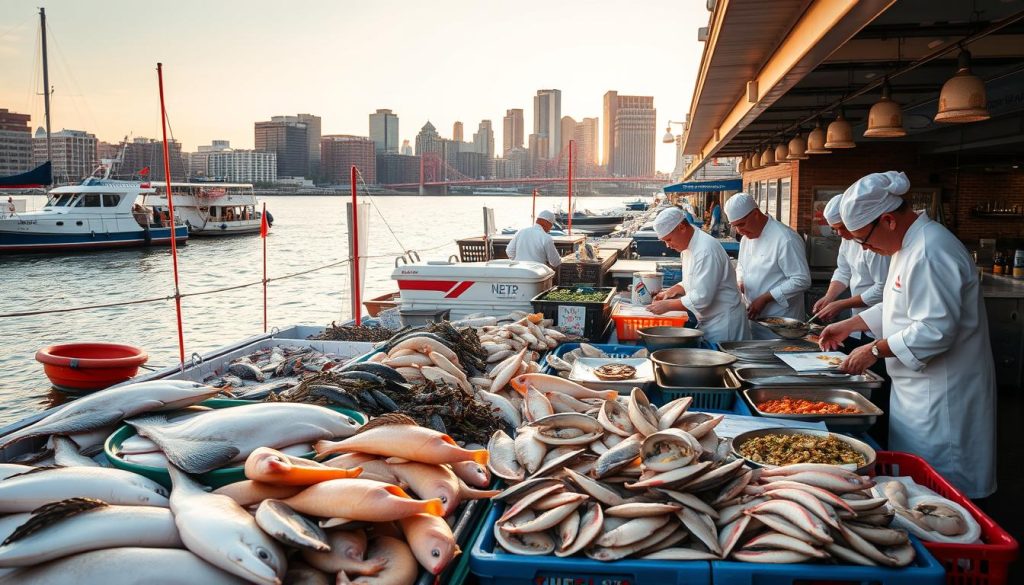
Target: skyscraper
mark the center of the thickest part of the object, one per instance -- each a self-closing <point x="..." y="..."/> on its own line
<point x="568" y="132"/>
<point x="342" y="151"/>
<point x="15" y="143"/>
<point x="428" y="141"/>
<point x="384" y="131"/>
<point x="587" y="136"/>
<point x="634" y="137"/>
<point x="313" y="139"/>
<point x="143" y="153"/>
<point x="457" y="132"/>
<point x="73" y="151"/>
<point x="547" y="118"/>
<point x="611" y="102"/>
<point x="512" y="132"/>
<point x="483" y="139"/>
<point x="289" y="139"/>
<point x="406" y="148"/>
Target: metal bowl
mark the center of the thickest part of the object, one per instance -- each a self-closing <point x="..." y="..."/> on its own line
<point x="655" y="338"/>
<point x="786" y="327"/>
<point x="688" y="367"/>
<point x="859" y="446"/>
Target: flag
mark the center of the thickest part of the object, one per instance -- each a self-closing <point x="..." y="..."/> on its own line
<point x="144" y="171"/>
<point x="264" y="227"/>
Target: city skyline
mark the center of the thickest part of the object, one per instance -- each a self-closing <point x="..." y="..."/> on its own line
<point x="211" y="97"/>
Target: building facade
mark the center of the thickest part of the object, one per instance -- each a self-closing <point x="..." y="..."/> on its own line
<point x="242" y="166"/>
<point x="340" y="152"/>
<point x="73" y="154"/>
<point x="586" y="134"/>
<point x="457" y="131"/>
<point x="512" y="131"/>
<point x="428" y="141"/>
<point x="313" y="140"/>
<point x="142" y="153"/>
<point x="483" y="139"/>
<point x="568" y="132"/>
<point x="610" y="103"/>
<point x="634" y="136"/>
<point x="384" y="131"/>
<point x="198" y="162"/>
<point x="406" y="148"/>
<point x="547" y="118"/>
<point x="397" y="168"/>
<point x="288" y="138"/>
<point x="15" y="143"/>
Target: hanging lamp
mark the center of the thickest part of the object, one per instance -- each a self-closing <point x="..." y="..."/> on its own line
<point x="885" y="120"/>
<point x="797" y="148"/>
<point x="840" y="133"/>
<point x="755" y="160"/>
<point x="781" y="152"/>
<point x="740" y="165"/>
<point x="962" y="98"/>
<point x="816" y="140"/>
<point x="768" y="157"/>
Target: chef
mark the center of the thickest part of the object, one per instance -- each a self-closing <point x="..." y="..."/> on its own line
<point x="932" y="331"/>
<point x="709" y="286"/>
<point x="535" y="244"/>
<point x="772" y="270"/>
<point x="862" y="271"/>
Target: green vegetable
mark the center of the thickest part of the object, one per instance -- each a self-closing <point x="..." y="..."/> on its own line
<point x="578" y="295"/>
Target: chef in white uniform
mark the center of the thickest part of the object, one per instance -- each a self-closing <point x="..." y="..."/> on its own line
<point x="862" y="271"/>
<point x="772" y="270"/>
<point x="709" y="281"/>
<point x="535" y="244"/>
<point x="932" y="330"/>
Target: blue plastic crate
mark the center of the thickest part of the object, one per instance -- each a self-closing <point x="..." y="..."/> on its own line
<point x="499" y="568"/>
<point x="925" y="570"/>
<point x="723" y="400"/>
<point x="619" y="351"/>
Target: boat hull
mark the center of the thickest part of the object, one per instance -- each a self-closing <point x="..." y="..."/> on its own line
<point x="595" y="224"/>
<point x="21" y="242"/>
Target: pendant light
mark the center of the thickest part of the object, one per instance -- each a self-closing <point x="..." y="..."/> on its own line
<point x="768" y="157"/>
<point x="781" y="152"/>
<point x="839" y="134"/>
<point x="741" y="165"/>
<point x="755" y="160"/>
<point x="962" y="98"/>
<point x="816" y="141"/>
<point x="885" y="120"/>
<point x="797" y="148"/>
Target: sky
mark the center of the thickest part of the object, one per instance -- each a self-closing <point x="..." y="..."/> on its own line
<point x="230" y="63"/>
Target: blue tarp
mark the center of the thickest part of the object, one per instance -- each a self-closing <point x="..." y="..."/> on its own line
<point x="705" y="186"/>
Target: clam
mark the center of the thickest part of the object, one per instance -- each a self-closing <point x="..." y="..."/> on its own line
<point x="669" y="449"/>
<point x="615" y="419"/>
<point x="643" y="416"/>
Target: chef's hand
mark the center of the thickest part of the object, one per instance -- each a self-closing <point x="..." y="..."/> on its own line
<point x="743" y="289"/>
<point x="859" y="360"/>
<point x="670" y="292"/>
<point x="830" y="310"/>
<point x="822" y="302"/>
<point x="662" y="307"/>
<point x="758" y="305"/>
<point x="832" y="337"/>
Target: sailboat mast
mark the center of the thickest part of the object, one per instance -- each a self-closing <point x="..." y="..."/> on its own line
<point x="46" y="82"/>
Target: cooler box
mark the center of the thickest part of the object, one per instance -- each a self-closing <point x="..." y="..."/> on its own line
<point x="491" y="288"/>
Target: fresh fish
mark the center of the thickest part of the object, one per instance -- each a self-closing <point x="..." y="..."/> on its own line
<point x="246" y="371"/>
<point x="527" y="543"/>
<point x="590" y="525"/>
<point x="217" y="529"/>
<point x="79" y="525"/>
<point x="26" y="492"/>
<point x="523" y="488"/>
<point x="735" y="487"/>
<point x="670" y="412"/>
<point x="877" y="535"/>
<point x="619" y="456"/>
<point x="9" y="469"/>
<point x="567" y="429"/>
<point x="472" y="473"/>
<point x="690" y="501"/>
<point x="568" y="530"/>
<point x="546" y="383"/>
<point x="812" y="504"/>
<point x="592" y="352"/>
<point x="631" y="532"/>
<point x="360" y="499"/>
<point x="565" y="403"/>
<point x="843" y="553"/>
<point x="643" y="416"/>
<point x="505" y="371"/>
<point x="529" y="500"/>
<point x="556" y="464"/>
<point x="701" y="527"/>
<point x="784" y="557"/>
<point x="536" y="406"/>
<point x="400" y="566"/>
<point x="110" y="406"/>
<point x="776" y="541"/>
<point x="65" y="453"/>
<point x="529" y="449"/>
<point x="641" y="510"/>
<point x="431" y="541"/>
<point x="206" y="442"/>
<point x="380" y="370"/>
<point x="832" y="482"/>
<point x="425" y="345"/>
<point x="615" y="419"/>
<point x="596" y="489"/>
<point x="408" y="441"/>
<point x="794" y="514"/>
<point x="335" y="394"/>
<point x="606" y="554"/>
<point x="501" y="407"/>
<point x="502" y="460"/>
<point x="558" y="363"/>
<point x="825" y="496"/>
<point x="669" y="449"/>
<point x="430" y="482"/>
<point x="289" y="527"/>
<point x="730" y="534"/>
<point x="548" y="519"/>
<point x="157" y="459"/>
<point x="272" y="466"/>
<point x="137" y="444"/>
<point x="125" y="566"/>
<point x="676" y="476"/>
<point x="91" y="442"/>
<point x="680" y="554"/>
<point x="347" y="553"/>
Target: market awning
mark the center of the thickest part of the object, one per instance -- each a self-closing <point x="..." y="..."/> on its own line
<point x="705" y="186"/>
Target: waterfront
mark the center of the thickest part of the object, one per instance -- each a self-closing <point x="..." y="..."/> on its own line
<point x="308" y="231"/>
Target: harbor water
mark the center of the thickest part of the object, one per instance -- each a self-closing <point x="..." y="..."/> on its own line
<point x="308" y="231"/>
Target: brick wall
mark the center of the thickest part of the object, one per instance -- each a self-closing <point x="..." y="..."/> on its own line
<point x="976" y="187"/>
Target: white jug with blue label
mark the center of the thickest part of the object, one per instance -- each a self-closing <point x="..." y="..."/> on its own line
<point x="645" y="286"/>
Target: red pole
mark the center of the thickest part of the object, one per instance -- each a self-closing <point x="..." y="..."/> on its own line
<point x="355" y="246"/>
<point x="571" y="144"/>
<point x="533" y="216"/>
<point x="170" y="211"/>
<point x="264" y="238"/>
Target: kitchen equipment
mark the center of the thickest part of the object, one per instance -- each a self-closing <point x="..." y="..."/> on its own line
<point x="775" y="377"/>
<point x="691" y="367"/>
<point x="655" y="338"/>
<point x="846" y="423"/>
<point x="815" y="361"/>
<point x="786" y="327"/>
<point x="718" y="396"/>
<point x="763" y="351"/>
<point x="859" y="446"/>
<point x="583" y="373"/>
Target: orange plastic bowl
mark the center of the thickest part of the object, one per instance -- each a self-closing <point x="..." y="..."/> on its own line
<point x="90" y="366"/>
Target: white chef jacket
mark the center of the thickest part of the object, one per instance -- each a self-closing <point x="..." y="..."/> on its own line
<point x="943" y="376"/>
<point x="711" y="291"/>
<point x="862" y="271"/>
<point x="775" y="262"/>
<point x="533" y="244"/>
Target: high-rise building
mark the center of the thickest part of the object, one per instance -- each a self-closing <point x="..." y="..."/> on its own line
<point x="472" y="164"/>
<point x="241" y="166"/>
<point x="106" y="150"/>
<point x="340" y="152"/>
<point x="428" y="141"/>
<point x="406" y="148"/>
<point x="73" y="152"/>
<point x="547" y="118"/>
<point x="586" y="134"/>
<point x="397" y="168"/>
<point x="483" y="139"/>
<point x="15" y="143"/>
<point x="313" y="139"/>
<point x="512" y="131"/>
<point x="568" y="132"/>
<point x="287" y="137"/>
<point x="611" y="103"/>
<point x="457" y="131"/>
<point x="635" y="136"/>
<point x="142" y="153"/>
<point x="198" y="161"/>
<point x="384" y="131"/>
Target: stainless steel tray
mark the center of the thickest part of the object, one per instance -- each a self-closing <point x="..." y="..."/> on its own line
<point x="859" y="446"/>
<point x="846" y="423"/>
<point x="775" y="377"/>
<point x="729" y="383"/>
<point x="763" y="351"/>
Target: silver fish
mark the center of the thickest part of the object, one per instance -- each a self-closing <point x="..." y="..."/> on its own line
<point x="125" y="566"/>
<point x="643" y="416"/>
<point x="289" y="527"/>
<point x="527" y="543"/>
<point x="614" y="418"/>
<point x="502" y="457"/>
<point x="701" y="527"/>
<point x="591" y="523"/>
<point x="632" y="531"/>
<point x="596" y="489"/>
<point x="501" y="407"/>
<point x="529" y="449"/>
<point x="567" y="429"/>
<point x="619" y="456"/>
<point x="65" y="453"/>
<point x="776" y="541"/>
<point x="26" y="492"/>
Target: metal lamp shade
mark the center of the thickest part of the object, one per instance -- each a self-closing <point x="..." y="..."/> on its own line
<point x="781" y="152"/>
<point x="768" y="157"/>
<point x="797" y="148"/>
<point x="816" y="142"/>
<point x="839" y="134"/>
<point x="963" y="97"/>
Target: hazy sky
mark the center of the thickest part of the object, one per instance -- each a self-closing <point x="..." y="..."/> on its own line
<point x="229" y="63"/>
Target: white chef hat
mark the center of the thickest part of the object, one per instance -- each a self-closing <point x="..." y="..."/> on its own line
<point x="739" y="206"/>
<point x="546" y="215"/>
<point x="871" y="196"/>
<point x="667" y="221"/>
<point x="831" y="213"/>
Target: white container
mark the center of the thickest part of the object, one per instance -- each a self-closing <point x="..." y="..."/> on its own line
<point x="645" y="286"/>
<point x="490" y="288"/>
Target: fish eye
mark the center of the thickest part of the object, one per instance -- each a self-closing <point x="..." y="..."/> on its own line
<point x="435" y="553"/>
<point x="263" y="554"/>
<point x="444" y="499"/>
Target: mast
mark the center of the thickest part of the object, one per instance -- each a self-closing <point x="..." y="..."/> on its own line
<point x="46" y="82"/>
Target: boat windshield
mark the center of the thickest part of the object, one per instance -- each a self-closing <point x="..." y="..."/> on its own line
<point x="111" y="200"/>
<point x="61" y="200"/>
<point x="89" y="200"/>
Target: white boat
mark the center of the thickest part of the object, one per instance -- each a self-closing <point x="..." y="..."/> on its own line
<point x="213" y="209"/>
<point x="96" y="214"/>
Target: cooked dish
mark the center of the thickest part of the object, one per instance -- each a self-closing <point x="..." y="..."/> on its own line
<point x="615" y="372"/>
<point x="831" y="360"/>
<point x="791" y="449"/>
<point x="774" y="321"/>
<point x="788" y="405"/>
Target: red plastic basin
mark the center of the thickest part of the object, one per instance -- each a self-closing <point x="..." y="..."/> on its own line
<point x="90" y="366"/>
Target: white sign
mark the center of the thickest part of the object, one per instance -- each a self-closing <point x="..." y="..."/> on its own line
<point x="572" y="318"/>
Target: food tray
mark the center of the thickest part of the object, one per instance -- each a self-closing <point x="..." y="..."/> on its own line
<point x="776" y="377"/>
<point x="500" y="568"/>
<point x="718" y="398"/>
<point x="846" y="423"/>
<point x="763" y="351"/>
<point x="860" y="446"/>
<point x="613" y="350"/>
<point x="974" y="564"/>
<point x="583" y="373"/>
<point x="925" y="570"/>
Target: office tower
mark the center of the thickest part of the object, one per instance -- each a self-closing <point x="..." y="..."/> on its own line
<point x="241" y="166"/>
<point x="483" y="139"/>
<point x="15" y="143"/>
<point x="73" y="152"/>
<point x="406" y="148"/>
<point x="611" y="102"/>
<point x="457" y="132"/>
<point x="287" y="137"/>
<point x="398" y="168"/>
<point x="342" y="151"/>
<point x="198" y="162"/>
<point x="587" y="135"/>
<point x="144" y="153"/>
<point x="428" y="141"/>
<point x="547" y="118"/>
<point x="512" y="131"/>
<point x="384" y="131"/>
<point x="629" y="135"/>
<point x="313" y="140"/>
<point x="568" y="132"/>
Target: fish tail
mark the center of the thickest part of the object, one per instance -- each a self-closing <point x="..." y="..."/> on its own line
<point x="433" y="507"/>
<point x="480" y="456"/>
<point x="324" y="448"/>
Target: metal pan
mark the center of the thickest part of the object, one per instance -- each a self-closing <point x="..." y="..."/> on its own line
<point x="846" y="423"/>
<point x="763" y="351"/>
<point x="780" y="377"/>
<point x="729" y="383"/>
<point x="859" y="446"/>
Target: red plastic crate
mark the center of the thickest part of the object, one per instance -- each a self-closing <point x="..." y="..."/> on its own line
<point x="966" y="564"/>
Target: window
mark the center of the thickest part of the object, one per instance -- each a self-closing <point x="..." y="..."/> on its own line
<point x="89" y="200"/>
<point x="773" y="198"/>
<point x="111" y="200"/>
<point x="762" y="201"/>
<point x="785" y="201"/>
